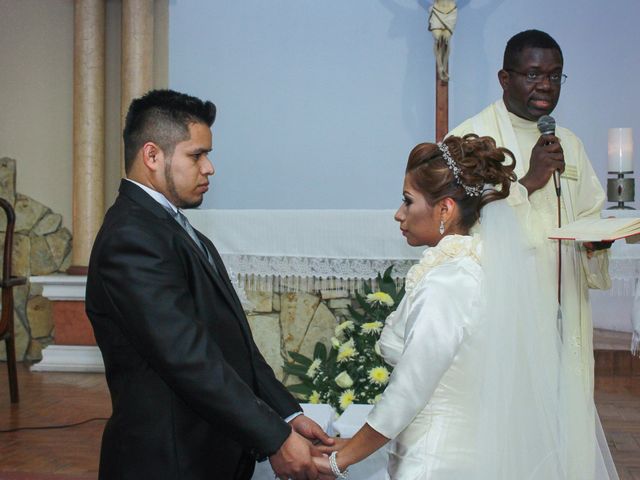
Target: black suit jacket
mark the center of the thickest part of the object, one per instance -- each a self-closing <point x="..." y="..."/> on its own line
<point x="192" y="396"/>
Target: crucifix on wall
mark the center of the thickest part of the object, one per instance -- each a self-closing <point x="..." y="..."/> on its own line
<point x="442" y="20"/>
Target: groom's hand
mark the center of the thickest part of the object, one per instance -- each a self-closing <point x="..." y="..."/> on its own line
<point x="293" y="459"/>
<point x="311" y="431"/>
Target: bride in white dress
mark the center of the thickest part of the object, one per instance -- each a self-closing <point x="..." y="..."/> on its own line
<point x="477" y="381"/>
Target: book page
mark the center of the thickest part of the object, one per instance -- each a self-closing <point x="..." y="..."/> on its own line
<point x="597" y="229"/>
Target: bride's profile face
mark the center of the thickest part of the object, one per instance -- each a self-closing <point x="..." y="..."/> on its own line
<point x="419" y="221"/>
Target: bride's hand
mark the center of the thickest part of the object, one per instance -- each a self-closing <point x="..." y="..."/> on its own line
<point x="322" y="464"/>
<point x="338" y="445"/>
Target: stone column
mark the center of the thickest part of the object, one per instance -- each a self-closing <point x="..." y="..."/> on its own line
<point x="88" y="129"/>
<point x="137" y="52"/>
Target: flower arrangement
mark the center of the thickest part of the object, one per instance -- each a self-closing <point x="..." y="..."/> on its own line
<point x="352" y="370"/>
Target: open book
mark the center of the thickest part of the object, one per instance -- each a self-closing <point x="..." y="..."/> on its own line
<point x="599" y="229"/>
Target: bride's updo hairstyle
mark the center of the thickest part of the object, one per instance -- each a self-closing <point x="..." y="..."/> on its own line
<point x="471" y="170"/>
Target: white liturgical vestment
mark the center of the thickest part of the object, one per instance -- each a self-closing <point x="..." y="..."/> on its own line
<point x="582" y="197"/>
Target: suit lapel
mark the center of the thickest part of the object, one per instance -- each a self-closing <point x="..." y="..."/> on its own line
<point x="135" y="193"/>
<point x="225" y="280"/>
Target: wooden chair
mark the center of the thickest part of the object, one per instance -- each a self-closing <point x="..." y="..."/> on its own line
<point x="7" y="282"/>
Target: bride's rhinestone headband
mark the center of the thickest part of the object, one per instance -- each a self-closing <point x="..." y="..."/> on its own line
<point x="471" y="190"/>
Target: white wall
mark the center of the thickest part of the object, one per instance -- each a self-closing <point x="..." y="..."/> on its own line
<point x="600" y="45"/>
<point x="320" y="102"/>
<point x="36" y="95"/>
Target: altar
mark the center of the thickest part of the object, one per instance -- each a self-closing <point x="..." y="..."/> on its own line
<point x="279" y="259"/>
<point x="311" y="250"/>
<point x="306" y="250"/>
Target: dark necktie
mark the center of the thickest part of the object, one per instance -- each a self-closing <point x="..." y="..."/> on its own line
<point x="183" y="221"/>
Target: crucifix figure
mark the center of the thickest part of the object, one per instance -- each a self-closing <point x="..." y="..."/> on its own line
<point x="442" y="20"/>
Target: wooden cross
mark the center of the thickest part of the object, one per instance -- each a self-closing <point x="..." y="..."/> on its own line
<point x="442" y="20"/>
<point x="442" y="107"/>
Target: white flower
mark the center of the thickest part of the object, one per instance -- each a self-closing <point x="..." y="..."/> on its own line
<point x="346" y="351"/>
<point x="376" y="399"/>
<point x="381" y="298"/>
<point x="347" y="398"/>
<point x="314" y="397"/>
<point x="379" y="375"/>
<point x="344" y="380"/>
<point x="371" y="327"/>
<point x="348" y="325"/>
<point x="335" y="342"/>
<point x="313" y="368"/>
<point x="376" y="348"/>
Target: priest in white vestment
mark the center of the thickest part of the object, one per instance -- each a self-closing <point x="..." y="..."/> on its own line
<point x="531" y="80"/>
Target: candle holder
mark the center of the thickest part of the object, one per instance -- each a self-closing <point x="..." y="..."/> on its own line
<point x="620" y="189"/>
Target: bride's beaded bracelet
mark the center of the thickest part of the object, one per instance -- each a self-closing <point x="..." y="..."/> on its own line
<point x="334" y="467"/>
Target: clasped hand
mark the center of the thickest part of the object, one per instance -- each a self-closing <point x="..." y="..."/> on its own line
<point x="294" y="458"/>
<point x="592" y="247"/>
<point x="547" y="156"/>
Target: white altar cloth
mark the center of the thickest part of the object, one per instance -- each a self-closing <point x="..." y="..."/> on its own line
<point x="310" y="250"/>
<point x="306" y="249"/>
<point x="619" y="308"/>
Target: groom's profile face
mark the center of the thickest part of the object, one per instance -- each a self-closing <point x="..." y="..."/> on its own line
<point x="187" y="170"/>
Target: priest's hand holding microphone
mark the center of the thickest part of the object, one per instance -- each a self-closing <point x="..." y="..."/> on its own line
<point x="547" y="158"/>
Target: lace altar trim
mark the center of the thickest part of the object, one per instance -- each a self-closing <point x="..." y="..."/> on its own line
<point x="308" y="274"/>
<point x="624" y="274"/>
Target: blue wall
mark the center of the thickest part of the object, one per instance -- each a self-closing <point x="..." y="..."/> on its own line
<point x="320" y="102"/>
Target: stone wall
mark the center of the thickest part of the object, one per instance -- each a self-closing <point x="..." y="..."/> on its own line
<point x="41" y="246"/>
<point x="283" y="322"/>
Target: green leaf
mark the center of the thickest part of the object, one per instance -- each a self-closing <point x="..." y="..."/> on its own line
<point x="301" y="389"/>
<point x="296" y="370"/>
<point x="355" y="314"/>
<point x="387" y="273"/>
<point x="301" y="359"/>
<point x="320" y="351"/>
<point x="362" y="301"/>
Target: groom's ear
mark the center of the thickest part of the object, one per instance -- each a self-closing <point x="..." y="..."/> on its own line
<point x="152" y="156"/>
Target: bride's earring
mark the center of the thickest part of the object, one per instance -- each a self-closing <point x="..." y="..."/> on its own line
<point x="441" y="229"/>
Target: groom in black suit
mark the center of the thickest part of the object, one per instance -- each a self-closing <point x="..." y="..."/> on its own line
<point x="192" y="396"/>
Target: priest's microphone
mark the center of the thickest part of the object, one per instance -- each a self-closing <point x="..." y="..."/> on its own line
<point x="547" y="126"/>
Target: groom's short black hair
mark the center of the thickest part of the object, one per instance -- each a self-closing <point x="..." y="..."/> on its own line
<point x="162" y="117"/>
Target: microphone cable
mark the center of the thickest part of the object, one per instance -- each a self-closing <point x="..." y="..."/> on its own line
<point x="54" y="427"/>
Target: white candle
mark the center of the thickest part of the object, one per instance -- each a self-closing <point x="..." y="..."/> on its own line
<point x="620" y="150"/>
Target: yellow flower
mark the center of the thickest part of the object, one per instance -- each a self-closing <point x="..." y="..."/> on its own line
<point x="348" y="325"/>
<point x="313" y="368"/>
<point x="347" y="398"/>
<point x="371" y="327"/>
<point x="344" y="380"/>
<point x="346" y="350"/>
<point x="314" y="397"/>
<point x="379" y="375"/>
<point x="381" y="298"/>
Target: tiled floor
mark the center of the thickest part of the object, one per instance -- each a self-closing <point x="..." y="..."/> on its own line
<point x="618" y="402"/>
<point x="72" y="453"/>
